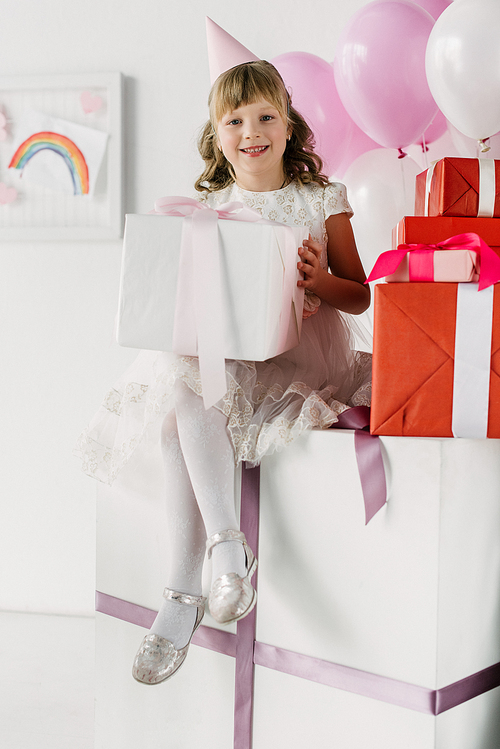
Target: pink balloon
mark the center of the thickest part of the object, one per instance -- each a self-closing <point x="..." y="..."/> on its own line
<point x="436" y="129"/>
<point x="311" y="82"/>
<point x="434" y="7"/>
<point x="380" y="71"/>
<point x="359" y="144"/>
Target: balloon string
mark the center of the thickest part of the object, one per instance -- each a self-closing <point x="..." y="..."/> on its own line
<point x="425" y="149"/>
<point x="403" y="179"/>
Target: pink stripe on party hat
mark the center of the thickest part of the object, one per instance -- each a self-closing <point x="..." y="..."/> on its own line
<point x="224" y="52"/>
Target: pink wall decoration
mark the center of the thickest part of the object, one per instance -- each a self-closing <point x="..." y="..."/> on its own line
<point x="7" y="194"/>
<point x="90" y="103"/>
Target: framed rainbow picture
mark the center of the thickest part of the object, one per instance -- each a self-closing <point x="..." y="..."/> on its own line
<point x="61" y="157"/>
<point x="53" y="140"/>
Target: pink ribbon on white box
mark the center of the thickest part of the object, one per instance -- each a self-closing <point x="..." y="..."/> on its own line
<point x="200" y="281"/>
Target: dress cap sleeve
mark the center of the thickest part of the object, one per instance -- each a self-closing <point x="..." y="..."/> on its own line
<point x="335" y="200"/>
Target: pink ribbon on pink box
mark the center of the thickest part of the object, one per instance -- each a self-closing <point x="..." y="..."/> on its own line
<point x="421" y="267"/>
<point x="200" y="280"/>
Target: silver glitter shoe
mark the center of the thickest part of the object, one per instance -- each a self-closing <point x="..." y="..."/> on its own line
<point x="232" y="597"/>
<point x="157" y="659"/>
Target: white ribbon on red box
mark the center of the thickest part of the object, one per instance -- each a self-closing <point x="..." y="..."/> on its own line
<point x="471" y="375"/>
<point x="487" y="188"/>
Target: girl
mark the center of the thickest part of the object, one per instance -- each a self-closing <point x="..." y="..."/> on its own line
<point x="257" y="150"/>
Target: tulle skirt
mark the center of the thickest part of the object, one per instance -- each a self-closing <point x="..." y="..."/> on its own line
<point x="268" y="404"/>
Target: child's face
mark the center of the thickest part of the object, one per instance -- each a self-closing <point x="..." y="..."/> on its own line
<point x="253" y="139"/>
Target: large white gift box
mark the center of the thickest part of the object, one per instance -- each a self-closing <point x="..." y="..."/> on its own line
<point x="260" y="302"/>
<point x="381" y="636"/>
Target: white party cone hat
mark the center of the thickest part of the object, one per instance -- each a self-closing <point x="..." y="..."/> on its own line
<point x="224" y="52"/>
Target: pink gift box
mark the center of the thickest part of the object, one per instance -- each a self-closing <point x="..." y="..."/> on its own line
<point x="455" y="266"/>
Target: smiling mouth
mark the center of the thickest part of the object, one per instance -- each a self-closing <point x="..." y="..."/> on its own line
<point x="254" y="149"/>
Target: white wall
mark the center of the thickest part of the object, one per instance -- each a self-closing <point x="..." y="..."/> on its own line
<point x="58" y="300"/>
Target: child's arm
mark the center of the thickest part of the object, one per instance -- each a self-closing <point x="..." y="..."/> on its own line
<point x="344" y="287"/>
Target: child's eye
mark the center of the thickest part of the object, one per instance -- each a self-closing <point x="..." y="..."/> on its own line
<point x="234" y="122"/>
<point x="267" y="117"/>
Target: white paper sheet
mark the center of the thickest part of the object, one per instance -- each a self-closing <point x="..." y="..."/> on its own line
<point x="58" y="154"/>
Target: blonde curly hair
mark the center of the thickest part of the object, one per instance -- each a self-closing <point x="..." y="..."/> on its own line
<point x="245" y="84"/>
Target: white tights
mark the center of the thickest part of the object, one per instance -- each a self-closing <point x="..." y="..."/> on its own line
<point x="198" y="462"/>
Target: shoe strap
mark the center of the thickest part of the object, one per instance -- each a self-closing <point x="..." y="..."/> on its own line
<point x="230" y="535"/>
<point x="175" y="595"/>
<point x="221" y="536"/>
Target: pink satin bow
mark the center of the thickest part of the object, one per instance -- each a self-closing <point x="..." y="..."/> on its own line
<point x="180" y="206"/>
<point x="489" y="261"/>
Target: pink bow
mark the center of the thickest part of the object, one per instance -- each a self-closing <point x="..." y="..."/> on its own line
<point x="489" y="261"/>
<point x="177" y="205"/>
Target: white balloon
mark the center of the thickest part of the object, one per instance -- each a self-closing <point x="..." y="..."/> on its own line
<point x="468" y="147"/>
<point x="462" y="63"/>
<point x="381" y="190"/>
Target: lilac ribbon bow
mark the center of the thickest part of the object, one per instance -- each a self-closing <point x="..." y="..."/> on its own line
<point x="368" y="457"/>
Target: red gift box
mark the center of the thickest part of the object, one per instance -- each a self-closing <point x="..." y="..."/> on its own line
<point x="414" y="360"/>
<point x="459" y="187"/>
<point x="431" y="230"/>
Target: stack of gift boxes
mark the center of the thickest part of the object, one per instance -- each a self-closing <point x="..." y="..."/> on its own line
<point x="384" y="635"/>
<point x="436" y="345"/>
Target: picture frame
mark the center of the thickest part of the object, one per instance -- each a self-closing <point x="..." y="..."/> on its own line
<point x="36" y="212"/>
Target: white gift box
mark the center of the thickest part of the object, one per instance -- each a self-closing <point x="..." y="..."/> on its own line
<point x="261" y="303"/>
<point x="412" y="596"/>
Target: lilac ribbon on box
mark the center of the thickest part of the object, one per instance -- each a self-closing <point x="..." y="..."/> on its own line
<point x="248" y="652"/>
<point x="368" y="457"/>
<point x="200" y="285"/>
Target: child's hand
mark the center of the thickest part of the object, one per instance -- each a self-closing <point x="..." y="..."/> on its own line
<point x="309" y="312"/>
<point x="310" y="255"/>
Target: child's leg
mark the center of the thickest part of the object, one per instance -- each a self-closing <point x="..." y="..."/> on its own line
<point x="185" y="543"/>
<point x="209" y="457"/>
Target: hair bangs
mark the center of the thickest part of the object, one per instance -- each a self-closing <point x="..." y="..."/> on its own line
<point x="246" y="84"/>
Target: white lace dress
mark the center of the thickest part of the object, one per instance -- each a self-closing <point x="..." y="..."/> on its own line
<point x="268" y="404"/>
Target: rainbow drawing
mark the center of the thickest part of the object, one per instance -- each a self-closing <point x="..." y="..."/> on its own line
<point x="60" y="144"/>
